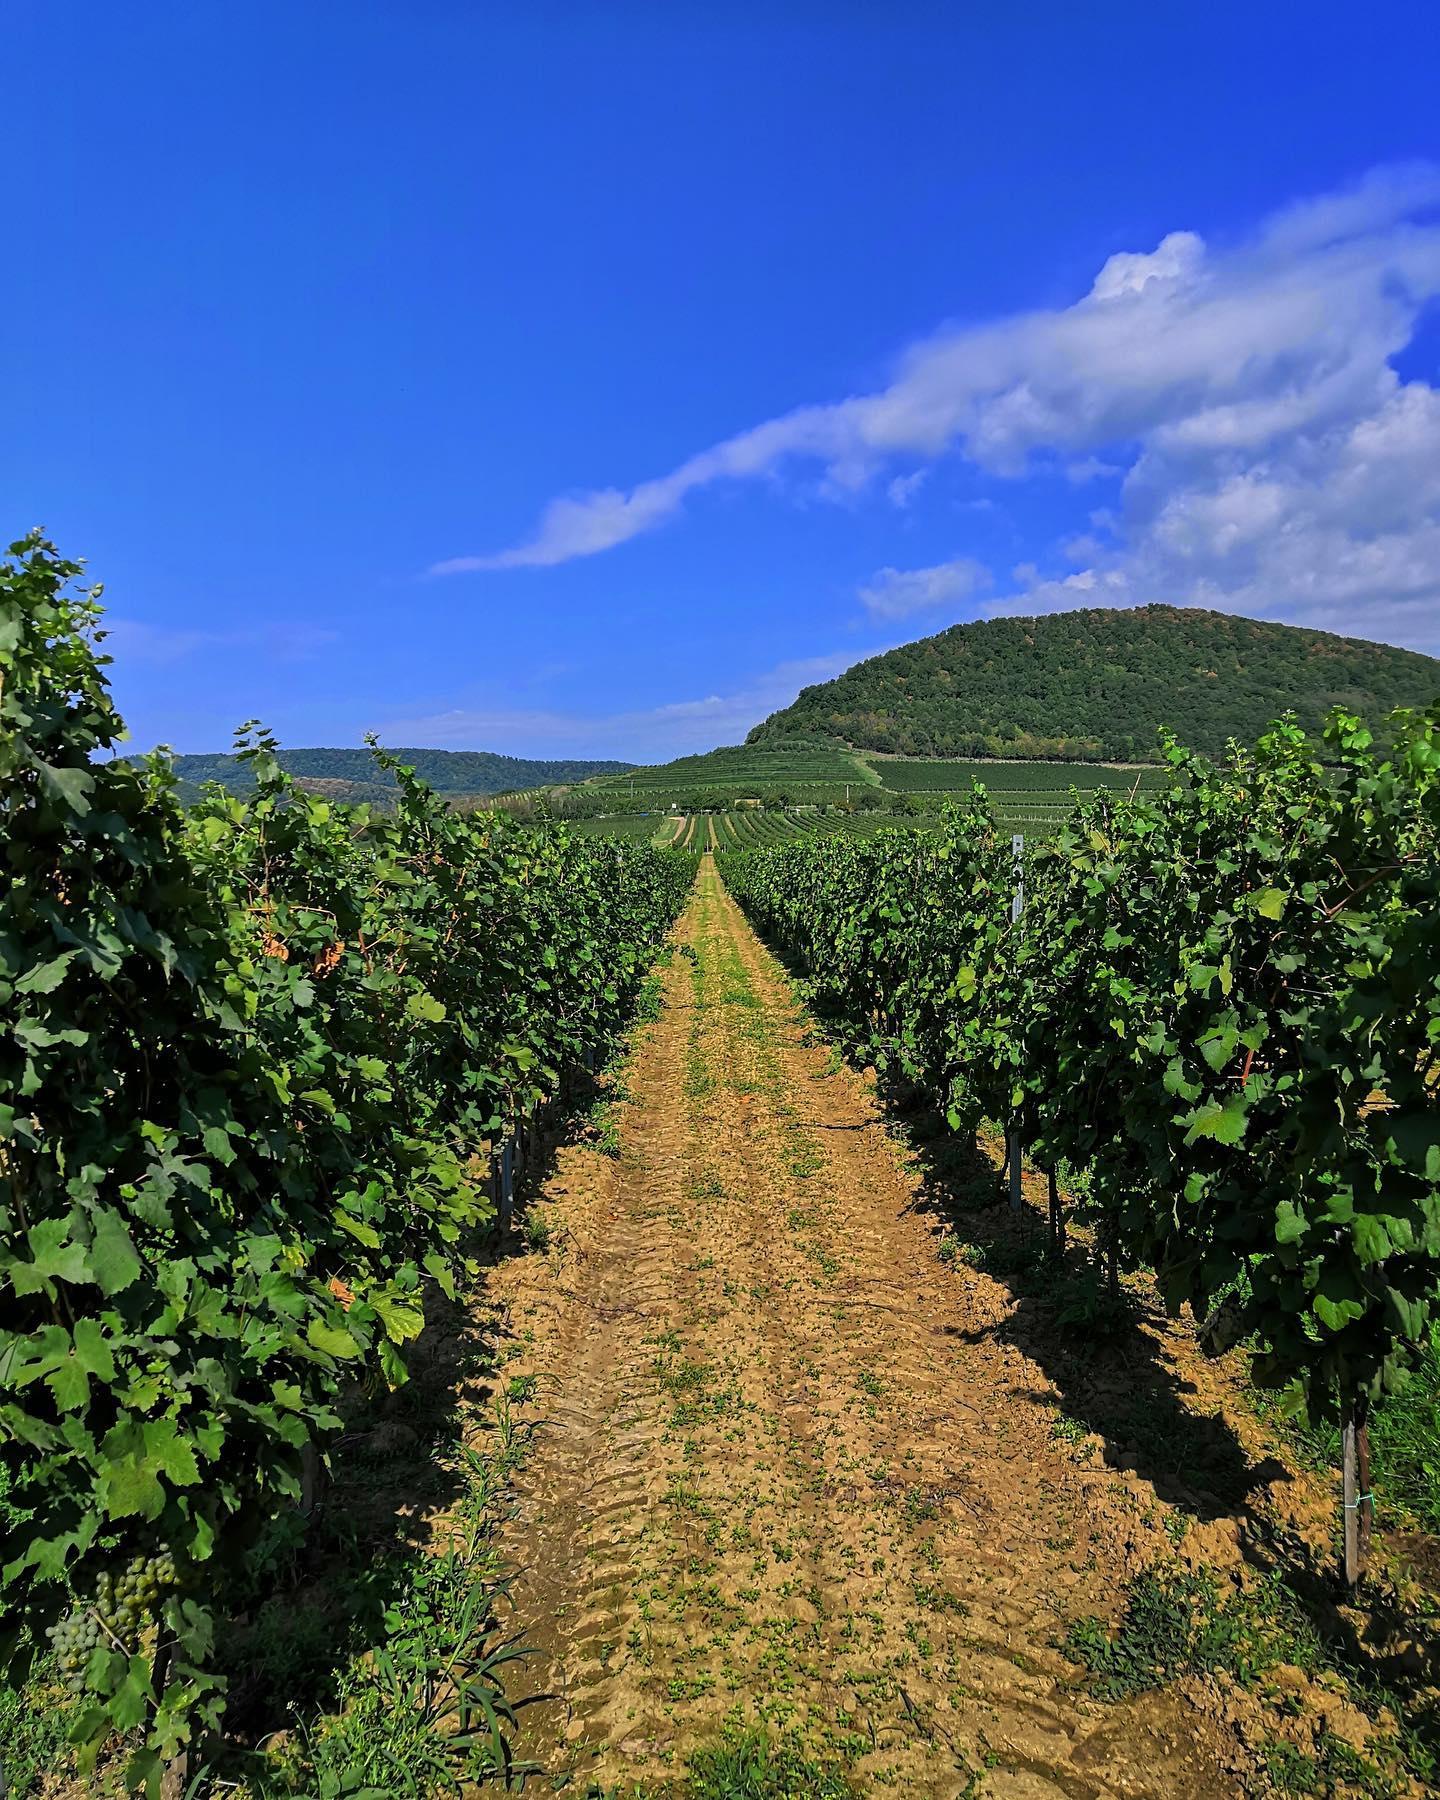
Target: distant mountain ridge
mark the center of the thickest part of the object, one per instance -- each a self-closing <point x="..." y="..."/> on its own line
<point x="1099" y="683"/>
<point x="349" y="774"/>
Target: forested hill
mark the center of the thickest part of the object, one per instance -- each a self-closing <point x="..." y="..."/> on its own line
<point x="355" y="775"/>
<point x="1099" y="683"/>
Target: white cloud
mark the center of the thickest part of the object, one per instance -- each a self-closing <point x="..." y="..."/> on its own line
<point x="653" y="734"/>
<point x="1090" y="468"/>
<point x="1177" y="260"/>
<point x="1272" y="459"/>
<point x="896" y="593"/>
<point x="1338" y="528"/>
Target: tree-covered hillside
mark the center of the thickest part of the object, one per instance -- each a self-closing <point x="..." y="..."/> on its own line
<point x="447" y="771"/>
<point x="1099" y="683"/>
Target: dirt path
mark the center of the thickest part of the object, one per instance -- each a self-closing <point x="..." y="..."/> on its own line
<point x="788" y="1464"/>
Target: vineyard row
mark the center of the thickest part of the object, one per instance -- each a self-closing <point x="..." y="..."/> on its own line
<point x="1213" y="1007"/>
<point x="253" y="1061"/>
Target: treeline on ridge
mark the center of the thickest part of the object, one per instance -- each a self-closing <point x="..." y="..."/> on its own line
<point x="356" y="773"/>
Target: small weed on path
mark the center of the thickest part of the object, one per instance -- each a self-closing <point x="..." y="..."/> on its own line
<point x="744" y="1763"/>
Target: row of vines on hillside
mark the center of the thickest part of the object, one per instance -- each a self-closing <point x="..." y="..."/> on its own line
<point x="250" y="1059"/>
<point x="1221" y="1003"/>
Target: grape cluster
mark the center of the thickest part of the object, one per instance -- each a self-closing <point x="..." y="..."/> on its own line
<point x="123" y="1603"/>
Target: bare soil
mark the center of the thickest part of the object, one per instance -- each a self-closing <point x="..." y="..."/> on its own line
<point x="794" y="1462"/>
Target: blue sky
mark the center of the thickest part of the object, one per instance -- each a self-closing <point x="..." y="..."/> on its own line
<point x="581" y="379"/>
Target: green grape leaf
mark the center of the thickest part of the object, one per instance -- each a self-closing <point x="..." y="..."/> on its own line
<point x="1290" y="1223"/>
<point x="1225" y="1124"/>
<point x="113" y="1261"/>
<point x="1270" y="902"/>
<point x="330" y="1341"/>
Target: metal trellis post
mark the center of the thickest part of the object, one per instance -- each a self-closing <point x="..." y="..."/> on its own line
<point x="1017" y="906"/>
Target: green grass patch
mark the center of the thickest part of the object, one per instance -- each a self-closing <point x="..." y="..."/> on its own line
<point x="1332" y="1769"/>
<point x="33" y="1722"/>
<point x="1182" y="1624"/>
<point x="1178" y="1624"/>
<point x="746" y="1762"/>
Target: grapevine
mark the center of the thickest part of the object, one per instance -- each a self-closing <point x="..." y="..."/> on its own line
<point x="251" y="1055"/>
<point x="1222" y="1004"/>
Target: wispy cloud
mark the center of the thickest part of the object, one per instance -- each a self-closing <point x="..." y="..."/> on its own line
<point x="897" y="593"/>
<point x="903" y="489"/>
<point x="1272" y="458"/>
<point x="651" y="734"/>
<point x="138" y="641"/>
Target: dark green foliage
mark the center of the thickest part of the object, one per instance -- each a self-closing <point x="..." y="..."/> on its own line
<point x="1100" y="683"/>
<point x="249" y="1056"/>
<point x="1251" y="954"/>
<point x="137" y="1152"/>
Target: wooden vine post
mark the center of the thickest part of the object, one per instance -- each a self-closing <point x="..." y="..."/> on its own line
<point x="1359" y="1504"/>
<point x="1017" y="907"/>
<point x="533" y="1134"/>
<point x="176" y="1783"/>
<point x="177" y="1776"/>
<point x="507" y="1181"/>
